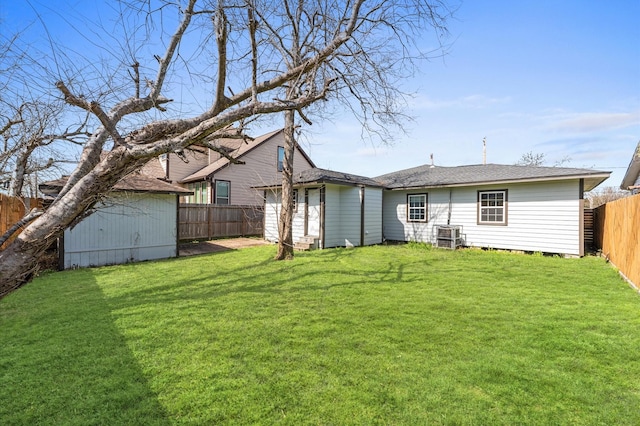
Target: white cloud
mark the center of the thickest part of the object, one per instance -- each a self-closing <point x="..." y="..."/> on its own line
<point x="595" y="121"/>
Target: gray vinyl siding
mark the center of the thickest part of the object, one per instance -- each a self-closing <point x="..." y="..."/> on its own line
<point x="343" y="216"/>
<point x="130" y="227"/>
<point x="260" y="168"/>
<point x="373" y="216"/>
<point x="542" y="216"/>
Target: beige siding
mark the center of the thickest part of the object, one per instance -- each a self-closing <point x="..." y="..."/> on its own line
<point x="542" y="217"/>
<point x="260" y="168"/>
<point x="178" y="169"/>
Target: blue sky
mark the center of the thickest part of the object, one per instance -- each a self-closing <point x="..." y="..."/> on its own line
<point x="555" y="77"/>
<point x="560" y="78"/>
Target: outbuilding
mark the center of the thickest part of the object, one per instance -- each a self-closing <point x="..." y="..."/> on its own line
<point x="137" y="221"/>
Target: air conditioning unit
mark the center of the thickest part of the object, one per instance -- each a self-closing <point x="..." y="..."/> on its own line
<point x="448" y="236"/>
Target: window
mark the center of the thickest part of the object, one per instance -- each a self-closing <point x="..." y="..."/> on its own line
<point x="295" y="200"/>
<point x="417" y="207"/>
<point x="492" y="207"/>
<point x="200" y="193"/>
<point x="222" y="192"/>
<point x="280" y="158"/>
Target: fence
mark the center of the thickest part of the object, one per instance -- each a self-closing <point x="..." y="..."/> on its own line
<point x="12" y="209"/>
<point x="209" y="221"/>
<point x="617" y="234"/>
<point x="588" y="230"/>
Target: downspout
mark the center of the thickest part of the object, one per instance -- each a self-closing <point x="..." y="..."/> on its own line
<point x="322" y="212"/>
<point x="306" y="212"/>
<point x="362" y="212"/>
<point x="177" y="225"/>
<point x="581" y="216"/>
<point x="450" y="205"/>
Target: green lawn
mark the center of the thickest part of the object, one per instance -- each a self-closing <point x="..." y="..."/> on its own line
<point x="394" y="335"/>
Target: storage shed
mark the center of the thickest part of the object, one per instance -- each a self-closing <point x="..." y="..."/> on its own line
<point x="137" y="221"/>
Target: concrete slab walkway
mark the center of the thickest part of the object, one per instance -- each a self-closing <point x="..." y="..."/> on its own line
<point x="213" y="246"/>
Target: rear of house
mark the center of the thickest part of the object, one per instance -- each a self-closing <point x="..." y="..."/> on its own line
<point x="495" y="206"/>
<point x="332" y="209"/>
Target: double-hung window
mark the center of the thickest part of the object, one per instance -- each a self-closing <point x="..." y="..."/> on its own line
<point x="280" y="158"/>
<point x="222" y="193"/>
<point x="492" y="207"/>
<point x="417" y="207"/>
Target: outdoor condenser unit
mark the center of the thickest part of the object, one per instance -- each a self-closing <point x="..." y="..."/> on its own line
<point x="448" y="236"/>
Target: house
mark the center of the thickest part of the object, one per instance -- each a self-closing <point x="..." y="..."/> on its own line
<point x="137" y="221"/>
<point x="494" y="206"/>
<point x="631" y="180"/>
<point x="331" y="209"/>
<point x="215" y="179"/>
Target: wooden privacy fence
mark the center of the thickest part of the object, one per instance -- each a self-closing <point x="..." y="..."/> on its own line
<point x="209" y="221"/>
<point x="588" y="230"/>
<point x="617" y="234"/>
<point x="12" y="209"/>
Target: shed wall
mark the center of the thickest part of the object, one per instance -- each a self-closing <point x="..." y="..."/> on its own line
<point x="131" y="227"/>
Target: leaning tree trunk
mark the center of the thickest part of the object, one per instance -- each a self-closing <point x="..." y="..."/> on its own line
<point x="19" y="261"/>
<point x="285" y="239"/>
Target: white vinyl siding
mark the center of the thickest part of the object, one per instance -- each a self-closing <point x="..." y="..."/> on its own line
<point x="129" y="227"/>
<point x="543" y="216"/>
<point x="342" y="215"/>
<point x="273" y="205"/>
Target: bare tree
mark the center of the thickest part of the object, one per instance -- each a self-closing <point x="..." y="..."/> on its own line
<point x="131" y="108"/>
<point x="31" y="144"/>
<point x="539" y="159"/>
<point x="364" y="74"/>
<point x="604" y="195"/>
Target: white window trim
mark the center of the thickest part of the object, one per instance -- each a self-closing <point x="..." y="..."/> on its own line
<point x="504" y="207"/>
<point x="424" y="208"/>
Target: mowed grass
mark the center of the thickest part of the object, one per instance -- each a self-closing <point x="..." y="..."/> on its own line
<point x="394" y="335"/>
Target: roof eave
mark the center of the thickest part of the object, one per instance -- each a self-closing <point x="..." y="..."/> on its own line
<point x="600" y="177"/>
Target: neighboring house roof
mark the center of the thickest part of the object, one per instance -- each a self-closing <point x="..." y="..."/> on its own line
<point x="153" y="168"/>
<point x="237" y="149"/>
<point x="134" y="182"/>
<point x="631" y="178"/>
<point x="428" y="176"/>
<point x="315" y="176"/>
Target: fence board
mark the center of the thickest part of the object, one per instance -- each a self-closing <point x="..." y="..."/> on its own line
<point x="617" y="234"/>
<point x="12" y="209"/>
<point x="209" y="221"/>
<point x="588" y="229"/>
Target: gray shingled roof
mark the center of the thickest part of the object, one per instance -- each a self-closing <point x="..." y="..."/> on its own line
<point x="316" y="175"/>
<point x="427" y="176"/>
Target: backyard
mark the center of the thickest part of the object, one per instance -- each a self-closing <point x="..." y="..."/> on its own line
<point x="400" y="335"/>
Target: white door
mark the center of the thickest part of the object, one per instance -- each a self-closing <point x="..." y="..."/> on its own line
<point x="313" y="213"/>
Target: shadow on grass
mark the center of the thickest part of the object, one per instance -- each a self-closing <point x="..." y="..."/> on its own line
<point x="69" y="366"/>
<point x="220" y="278"/>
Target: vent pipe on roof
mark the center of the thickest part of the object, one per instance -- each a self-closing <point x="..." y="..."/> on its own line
<point x="432" y="165"/>
<point x="484" y="151"/>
